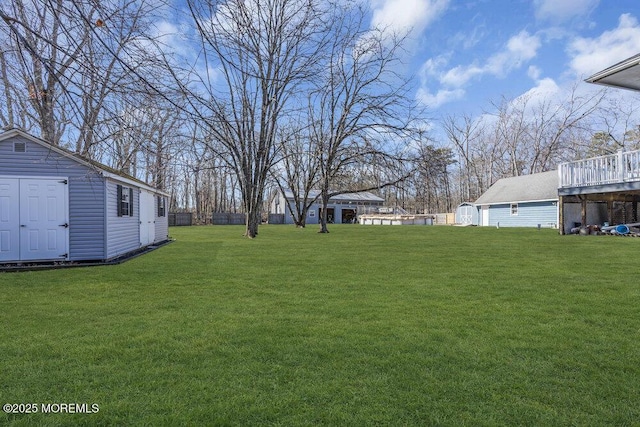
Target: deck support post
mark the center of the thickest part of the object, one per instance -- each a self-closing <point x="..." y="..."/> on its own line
<point x="583" y="203"/>
<point x="561" y="215"/>
<point x="610" y="209"/>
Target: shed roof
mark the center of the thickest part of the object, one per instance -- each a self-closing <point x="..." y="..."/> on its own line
<point x="360" y="197"/>
<point x="524" y="188"/>
<point x="625" y="74"/>
<point x="107" y="171"/>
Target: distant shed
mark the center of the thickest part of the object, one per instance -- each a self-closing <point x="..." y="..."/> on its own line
<point x="467" y="214"/>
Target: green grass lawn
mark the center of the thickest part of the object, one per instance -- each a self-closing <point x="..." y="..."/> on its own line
<point x="366" y="325"/>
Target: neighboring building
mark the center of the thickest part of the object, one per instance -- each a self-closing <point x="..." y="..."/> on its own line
<point x="595" y="191"/>
<point x="342" y="209"/>
<point x="521" y="201"/>
<point x="604" y="189"/>
<point x="58" y="206"/>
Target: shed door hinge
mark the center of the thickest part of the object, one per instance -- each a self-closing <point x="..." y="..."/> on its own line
<point x="64" y="181"/>
<point x="65" y="225"/>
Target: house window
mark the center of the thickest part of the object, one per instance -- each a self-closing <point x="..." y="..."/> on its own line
<point x="514" y="209"/>
<point x="161" y="206"/>
<point x="125" y="200"/>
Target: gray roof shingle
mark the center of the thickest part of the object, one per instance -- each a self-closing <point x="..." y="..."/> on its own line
<point x="524" y="188"/>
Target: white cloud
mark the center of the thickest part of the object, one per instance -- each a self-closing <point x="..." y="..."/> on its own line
<point x="534" y="72"/>
<point x="590" y="55"/>
<point x="460" y="75"/>
<point x="443" y="96"/>
<point x="519" y="49"/>
<point x="545" y="89"/>
<point x="405" y="15"/>
<point x="562" y="10"/>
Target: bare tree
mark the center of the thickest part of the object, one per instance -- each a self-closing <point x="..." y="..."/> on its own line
<point x="261" y="52"/>
<point x="44" y="53"/>
<point x="298" y="171"/>
<point x="477" y="153"/>
<point x="616" y="127"/>
<point x="70" y="66"/>
<point x="360" y="105"/>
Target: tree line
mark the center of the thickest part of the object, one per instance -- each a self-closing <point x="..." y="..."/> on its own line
<point x="267" y="96"/>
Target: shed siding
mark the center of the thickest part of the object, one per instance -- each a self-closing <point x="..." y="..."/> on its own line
<point x="86" y="194"/>
<point x="162" y="222"/>
<point x="123" y="232"/>
<point x="529" y="214"/>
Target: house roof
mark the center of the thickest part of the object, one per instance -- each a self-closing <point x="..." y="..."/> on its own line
<point x="105" y="170"/>
<point x="360" y="197"/>
<point x="624" y="74"/>
<point x="524" y="188"/>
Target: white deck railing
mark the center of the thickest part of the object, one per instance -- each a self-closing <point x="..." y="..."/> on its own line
<point x="615" y="168"/>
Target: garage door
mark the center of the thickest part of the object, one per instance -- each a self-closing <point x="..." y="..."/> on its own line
<point x="33" y="219"/>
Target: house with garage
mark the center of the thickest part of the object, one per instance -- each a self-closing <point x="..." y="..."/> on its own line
<point x="342" y="208"/>
<point x="56" y="206"/>
<point x="521" y="201"/>
<point x="603" y="189"/>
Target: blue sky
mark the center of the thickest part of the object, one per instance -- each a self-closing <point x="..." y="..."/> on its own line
<point x="466" y="54"/>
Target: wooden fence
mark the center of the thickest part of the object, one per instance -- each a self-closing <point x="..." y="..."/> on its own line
<point x="180" y="218"/>
<point x="222" y="218"/>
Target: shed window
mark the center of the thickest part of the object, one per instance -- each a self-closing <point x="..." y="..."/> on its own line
<point x="161" y="206"/>
<point x="514" y="209"/>
<point x="124" y="200"/>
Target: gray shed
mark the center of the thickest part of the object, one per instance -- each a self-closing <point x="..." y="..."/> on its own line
<point x="58" y="206"/>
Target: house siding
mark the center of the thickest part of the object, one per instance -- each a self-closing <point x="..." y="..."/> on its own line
<point x="530" y="214"/>
<point x="86" y="195"/>
<point x="123" y="232"/>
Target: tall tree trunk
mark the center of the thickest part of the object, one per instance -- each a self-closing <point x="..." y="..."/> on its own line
<point x="324" y="215"/>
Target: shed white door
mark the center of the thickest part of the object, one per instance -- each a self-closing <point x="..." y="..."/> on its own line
<point x="466" y="214"/>
<point x="43" y="219"/>
<point x="9" y="220"/>
<point x="147" y="218"/>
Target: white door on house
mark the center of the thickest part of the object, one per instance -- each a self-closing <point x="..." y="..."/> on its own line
<point x="9" y="219"/>
<point x="43" y="219"/>
<point x="147" y="218"/>
<point x="485" y="215"/>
